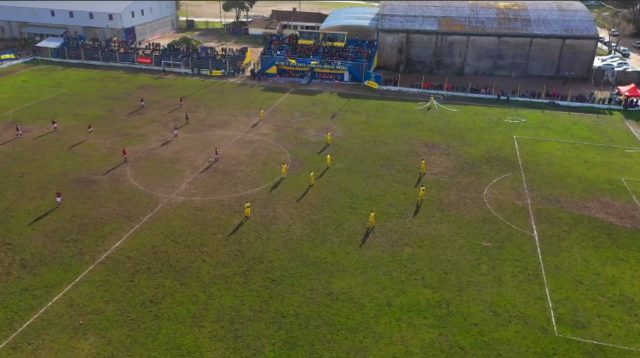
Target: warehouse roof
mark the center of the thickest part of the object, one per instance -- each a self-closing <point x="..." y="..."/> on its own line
<point x="297" y="16"/>
<point x="97" y="6"/>
<point x="542" y="18"/>
<point x="352" y="16"/>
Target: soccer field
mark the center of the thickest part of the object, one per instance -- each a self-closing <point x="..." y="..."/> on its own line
<point x="528" y="242"/>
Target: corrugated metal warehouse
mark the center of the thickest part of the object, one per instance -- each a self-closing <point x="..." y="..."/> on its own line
<point x="515" y="38"/>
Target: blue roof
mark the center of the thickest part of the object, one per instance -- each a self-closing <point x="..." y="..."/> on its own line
<point x="352" y="16"/>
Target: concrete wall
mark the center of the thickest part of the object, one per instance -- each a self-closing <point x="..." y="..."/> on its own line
<point x="577" y="58"/>
<point x="155" y="28"/>
<point x="513" y="57"/>
<point x="391" y="51"/>
<point x="544" y="57"/>
<point x="421" y="52"/>
<point x="450" y="54"/>
<point x="479" y="60"/>
<point x="485" y="55"/>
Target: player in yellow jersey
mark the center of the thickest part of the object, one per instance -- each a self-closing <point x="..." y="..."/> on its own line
<point x="312" y="178"/>
<point x="261" y="115"/>
<point x="372" y="220"/>
<point x="327" y="138"/>
<point x="328" y="160"/>
<point x="421" y="194"/>
<point x="423" y="167"/>
<point x="284" y="170"/>
<point x="247" y="210"/>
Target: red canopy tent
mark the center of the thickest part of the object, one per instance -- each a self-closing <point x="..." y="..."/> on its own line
<point x="629" y="90"/>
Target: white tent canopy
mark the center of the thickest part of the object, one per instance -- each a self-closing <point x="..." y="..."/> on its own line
<point x="51" y="42"/>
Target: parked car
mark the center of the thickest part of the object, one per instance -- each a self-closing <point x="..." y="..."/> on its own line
<point x="600" y="38"/>
<point x="614" y="32"/>
<point x="606" y="66"/>
<point x="609" y="58"/>
<point x="624" y="52"/>
<point x="636" y="44"/>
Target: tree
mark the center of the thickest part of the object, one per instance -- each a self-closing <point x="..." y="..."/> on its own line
<point x="238" y="7"/>
<point x="185" y="42"/>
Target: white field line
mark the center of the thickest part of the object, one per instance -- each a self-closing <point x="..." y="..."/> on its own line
<point x="600" y="343"/>
<point x="34" y="102"/>
<point x="125" y="237"/>
<point x="631" y="129"/>
<point x="535" y="236"/>
<point x="577" y="142"/>
<point x="214" y="197"/>
<point x="486" y="202"/>
<point x="630" y="192"/>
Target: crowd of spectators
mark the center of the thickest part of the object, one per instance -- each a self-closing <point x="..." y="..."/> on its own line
<point x="227" y="59"/>
<point x="548" y="94"/>
<point x="287" y="46"/>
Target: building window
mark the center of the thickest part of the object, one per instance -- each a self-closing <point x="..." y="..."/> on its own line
<point x="141" y="12"/>
<point x="91" y="16"/>
<point x="71" y="14"/>
<point x="110" y="17"/>
<point x="133" y="14"/>
<point x="53" y="13"/>
<point x="2" y="30"/>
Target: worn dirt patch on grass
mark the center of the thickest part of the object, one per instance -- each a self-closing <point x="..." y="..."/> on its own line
<point x="621" y="214"/>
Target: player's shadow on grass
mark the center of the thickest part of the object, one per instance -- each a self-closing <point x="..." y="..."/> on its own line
<point x="9" y="141"/>
<point x="115" y="167"/>
<point x="323" y="149"/>
<point x="43" y="135"/>
<point x="235" y="229"/>
<point x="175" y="109"/>
<point x="276" y="184"/>
<point x="420" y="176"/>
<point x="184" y="124"/>
<point x="333" y="116"/>
<point x="135" y="111"/>
<point x="44" y="215"/>
<point x="255" y="124"/>
<point x="77" y="144"/>
<point x="303" y="194"/>
<point x="416" y="211"/>
<point x="366" y="236"/>
<point x="166" y="143"/>
<point x="323" y="172"/>
<point x="207" y="167"/>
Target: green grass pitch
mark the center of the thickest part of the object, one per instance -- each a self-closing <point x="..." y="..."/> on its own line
<point x="166" y="269"/>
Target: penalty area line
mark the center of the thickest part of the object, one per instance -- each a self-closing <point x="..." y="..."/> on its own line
<point x="535" y="235"/>
<point x="600" y="343"/>
<point x="578" y="142"/>
<point x="118" y="243"/>
<point x="633" y="196"/>
<point x="632" y="130"/>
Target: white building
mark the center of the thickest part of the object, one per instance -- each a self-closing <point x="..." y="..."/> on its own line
<point x="286" y="22"/>
<point x="125" y="20"/>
